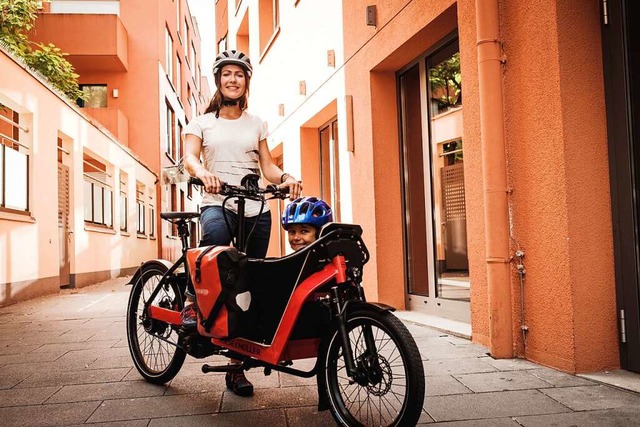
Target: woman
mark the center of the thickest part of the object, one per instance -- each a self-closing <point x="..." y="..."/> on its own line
<point x="232" y="144"/>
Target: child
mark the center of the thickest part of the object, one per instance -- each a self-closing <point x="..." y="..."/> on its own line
<point x="303" y="218"/>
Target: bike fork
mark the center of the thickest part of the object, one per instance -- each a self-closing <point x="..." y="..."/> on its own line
<point x="341" y="314"/>
<point x="369" y="357"/>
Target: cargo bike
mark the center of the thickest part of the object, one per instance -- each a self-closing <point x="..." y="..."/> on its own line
<point x="269" y="312"/>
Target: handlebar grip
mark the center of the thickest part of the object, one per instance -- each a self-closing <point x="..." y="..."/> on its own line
<point x="195" y="181"/>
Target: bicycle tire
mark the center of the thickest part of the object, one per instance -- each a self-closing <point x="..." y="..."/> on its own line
<point x="156" y="360"/>
<point x="399" y="366"/>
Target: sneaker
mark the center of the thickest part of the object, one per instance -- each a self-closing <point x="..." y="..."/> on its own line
<point x="189" y="316"/>
<point x="238" y="383"/>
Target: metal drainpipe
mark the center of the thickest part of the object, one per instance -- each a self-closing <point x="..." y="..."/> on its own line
<point x="494" y="171"/>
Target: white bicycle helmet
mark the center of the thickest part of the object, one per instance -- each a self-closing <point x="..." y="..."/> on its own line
<point x="234" y="57"/>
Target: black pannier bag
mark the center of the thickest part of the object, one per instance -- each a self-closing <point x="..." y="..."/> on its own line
<point x="223" y="298"/>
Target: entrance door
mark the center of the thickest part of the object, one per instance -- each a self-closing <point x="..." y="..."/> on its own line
<point x="435" y="227"/>
<point x="63" y="224"/>
<point x="621" y="59"/>
<point x="330" y="170"/>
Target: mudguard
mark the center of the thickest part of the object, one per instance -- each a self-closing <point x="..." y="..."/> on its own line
<point x="352" y="306"/>
<point x="158" y="262"/>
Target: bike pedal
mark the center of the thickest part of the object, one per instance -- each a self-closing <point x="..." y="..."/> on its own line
<point x="222" y="368"/>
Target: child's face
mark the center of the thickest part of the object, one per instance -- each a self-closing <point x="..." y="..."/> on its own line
<point x="301" y="235"/>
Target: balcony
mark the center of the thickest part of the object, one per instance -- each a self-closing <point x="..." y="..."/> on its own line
<point x="114" y="120"/>
<point x="93" y="42"/>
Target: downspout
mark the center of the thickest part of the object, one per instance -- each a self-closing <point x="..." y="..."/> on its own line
<point x="494" y="176"/>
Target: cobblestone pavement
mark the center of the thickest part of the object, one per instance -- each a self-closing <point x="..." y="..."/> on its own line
<point x="64" y="361"/>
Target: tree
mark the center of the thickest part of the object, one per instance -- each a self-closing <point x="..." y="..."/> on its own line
<point x="446" y="82"/>
<point x="17" y="18"/>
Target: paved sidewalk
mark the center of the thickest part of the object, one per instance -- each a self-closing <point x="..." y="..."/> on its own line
<point x="64" y="361"/>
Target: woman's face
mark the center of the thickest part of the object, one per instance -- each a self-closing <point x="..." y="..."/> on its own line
<point x="301" y="235"/>
<point x="232" y="81"/>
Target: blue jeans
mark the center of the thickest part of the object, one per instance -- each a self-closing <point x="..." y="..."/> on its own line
<point x="215" y="232"/>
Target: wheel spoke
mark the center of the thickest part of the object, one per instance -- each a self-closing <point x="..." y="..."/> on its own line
<point x="150" y="340"/>
<point x="380" y="396"/>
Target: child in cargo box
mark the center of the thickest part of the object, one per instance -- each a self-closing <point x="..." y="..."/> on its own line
<point x="232" y="143"/>
<point x="303" y="218"/>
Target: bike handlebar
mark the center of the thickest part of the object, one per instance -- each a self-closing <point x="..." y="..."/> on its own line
<point x="249" y="192"/>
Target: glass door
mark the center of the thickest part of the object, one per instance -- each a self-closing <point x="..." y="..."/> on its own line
<point x="437" y="266"/>
<point x="330" y="169"/>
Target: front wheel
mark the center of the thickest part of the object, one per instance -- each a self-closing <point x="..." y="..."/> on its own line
<point x="153" y="343"/>
<point x="388" y="389"/>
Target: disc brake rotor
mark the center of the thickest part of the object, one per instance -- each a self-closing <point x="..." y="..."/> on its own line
<point x="385" y="377"/>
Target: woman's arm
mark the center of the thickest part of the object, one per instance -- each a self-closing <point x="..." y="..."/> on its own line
<point x="192" y="148"/>
<point x="273" y="173"/>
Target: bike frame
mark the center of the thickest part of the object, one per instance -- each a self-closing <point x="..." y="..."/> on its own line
<point x="281" y="347"/>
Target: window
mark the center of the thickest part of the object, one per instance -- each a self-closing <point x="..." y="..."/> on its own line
<point x="14" y="163"/>
<point x="192" y="59"/>
<point x="140" y="228"/>
<point x="152" y="214"/>
<point x="170" y="131"/>
<point x="178" y="13"/>
<point x="180" y="142"/>
<point x="222" y="44"/>
<point x="96" y="96"/>
<point x="124" y="203"/>
<point x="330" y="170"/>
<point x="174" y="207"/>
<point x="168" y="57"/>
<point x="269" y="22"/>
<point x="198" y="76"/>
<point x="178" y="75"/>
<point x="186" y="32"/>
<point x="98" y="192"/>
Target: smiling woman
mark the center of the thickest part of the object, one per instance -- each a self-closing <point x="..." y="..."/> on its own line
<point x="232" y="144"/>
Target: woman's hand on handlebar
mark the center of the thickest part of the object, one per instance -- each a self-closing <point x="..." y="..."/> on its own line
<point x="294" y="186"/>
<point x="211" y="182"/>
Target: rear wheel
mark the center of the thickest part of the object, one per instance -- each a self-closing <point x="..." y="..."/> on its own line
<point x="389" y="387"/>
<point x="152" y="343"/>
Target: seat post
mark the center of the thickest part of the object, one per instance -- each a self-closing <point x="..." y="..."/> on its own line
<point x="183" y="232"/>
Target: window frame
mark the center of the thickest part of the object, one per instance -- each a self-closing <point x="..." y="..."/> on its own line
<point x="170" y="130"/>
<point x="124" y="203"/>
<point x="104" y="186"/>
<point x="141" y="210"/>
<point x="83" y="103"/>
<point x="13" y="143"/>
<point x="168" y="53"/>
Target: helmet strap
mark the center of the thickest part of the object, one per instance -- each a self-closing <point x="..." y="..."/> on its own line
<point x="229" y="102"/>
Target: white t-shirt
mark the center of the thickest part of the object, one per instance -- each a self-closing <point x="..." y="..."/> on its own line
<point x="230" y="151"/>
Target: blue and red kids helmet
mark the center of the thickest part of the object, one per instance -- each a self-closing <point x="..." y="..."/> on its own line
<point x="307" y="210"/>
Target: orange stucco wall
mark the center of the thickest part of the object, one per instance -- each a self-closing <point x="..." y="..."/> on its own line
<point x="556" y="158"/>
<point x="556" y="132"/>
<point x="96" y="42"/>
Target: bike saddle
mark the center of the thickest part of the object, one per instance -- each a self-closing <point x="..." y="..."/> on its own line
<point x="179" y="215"/>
